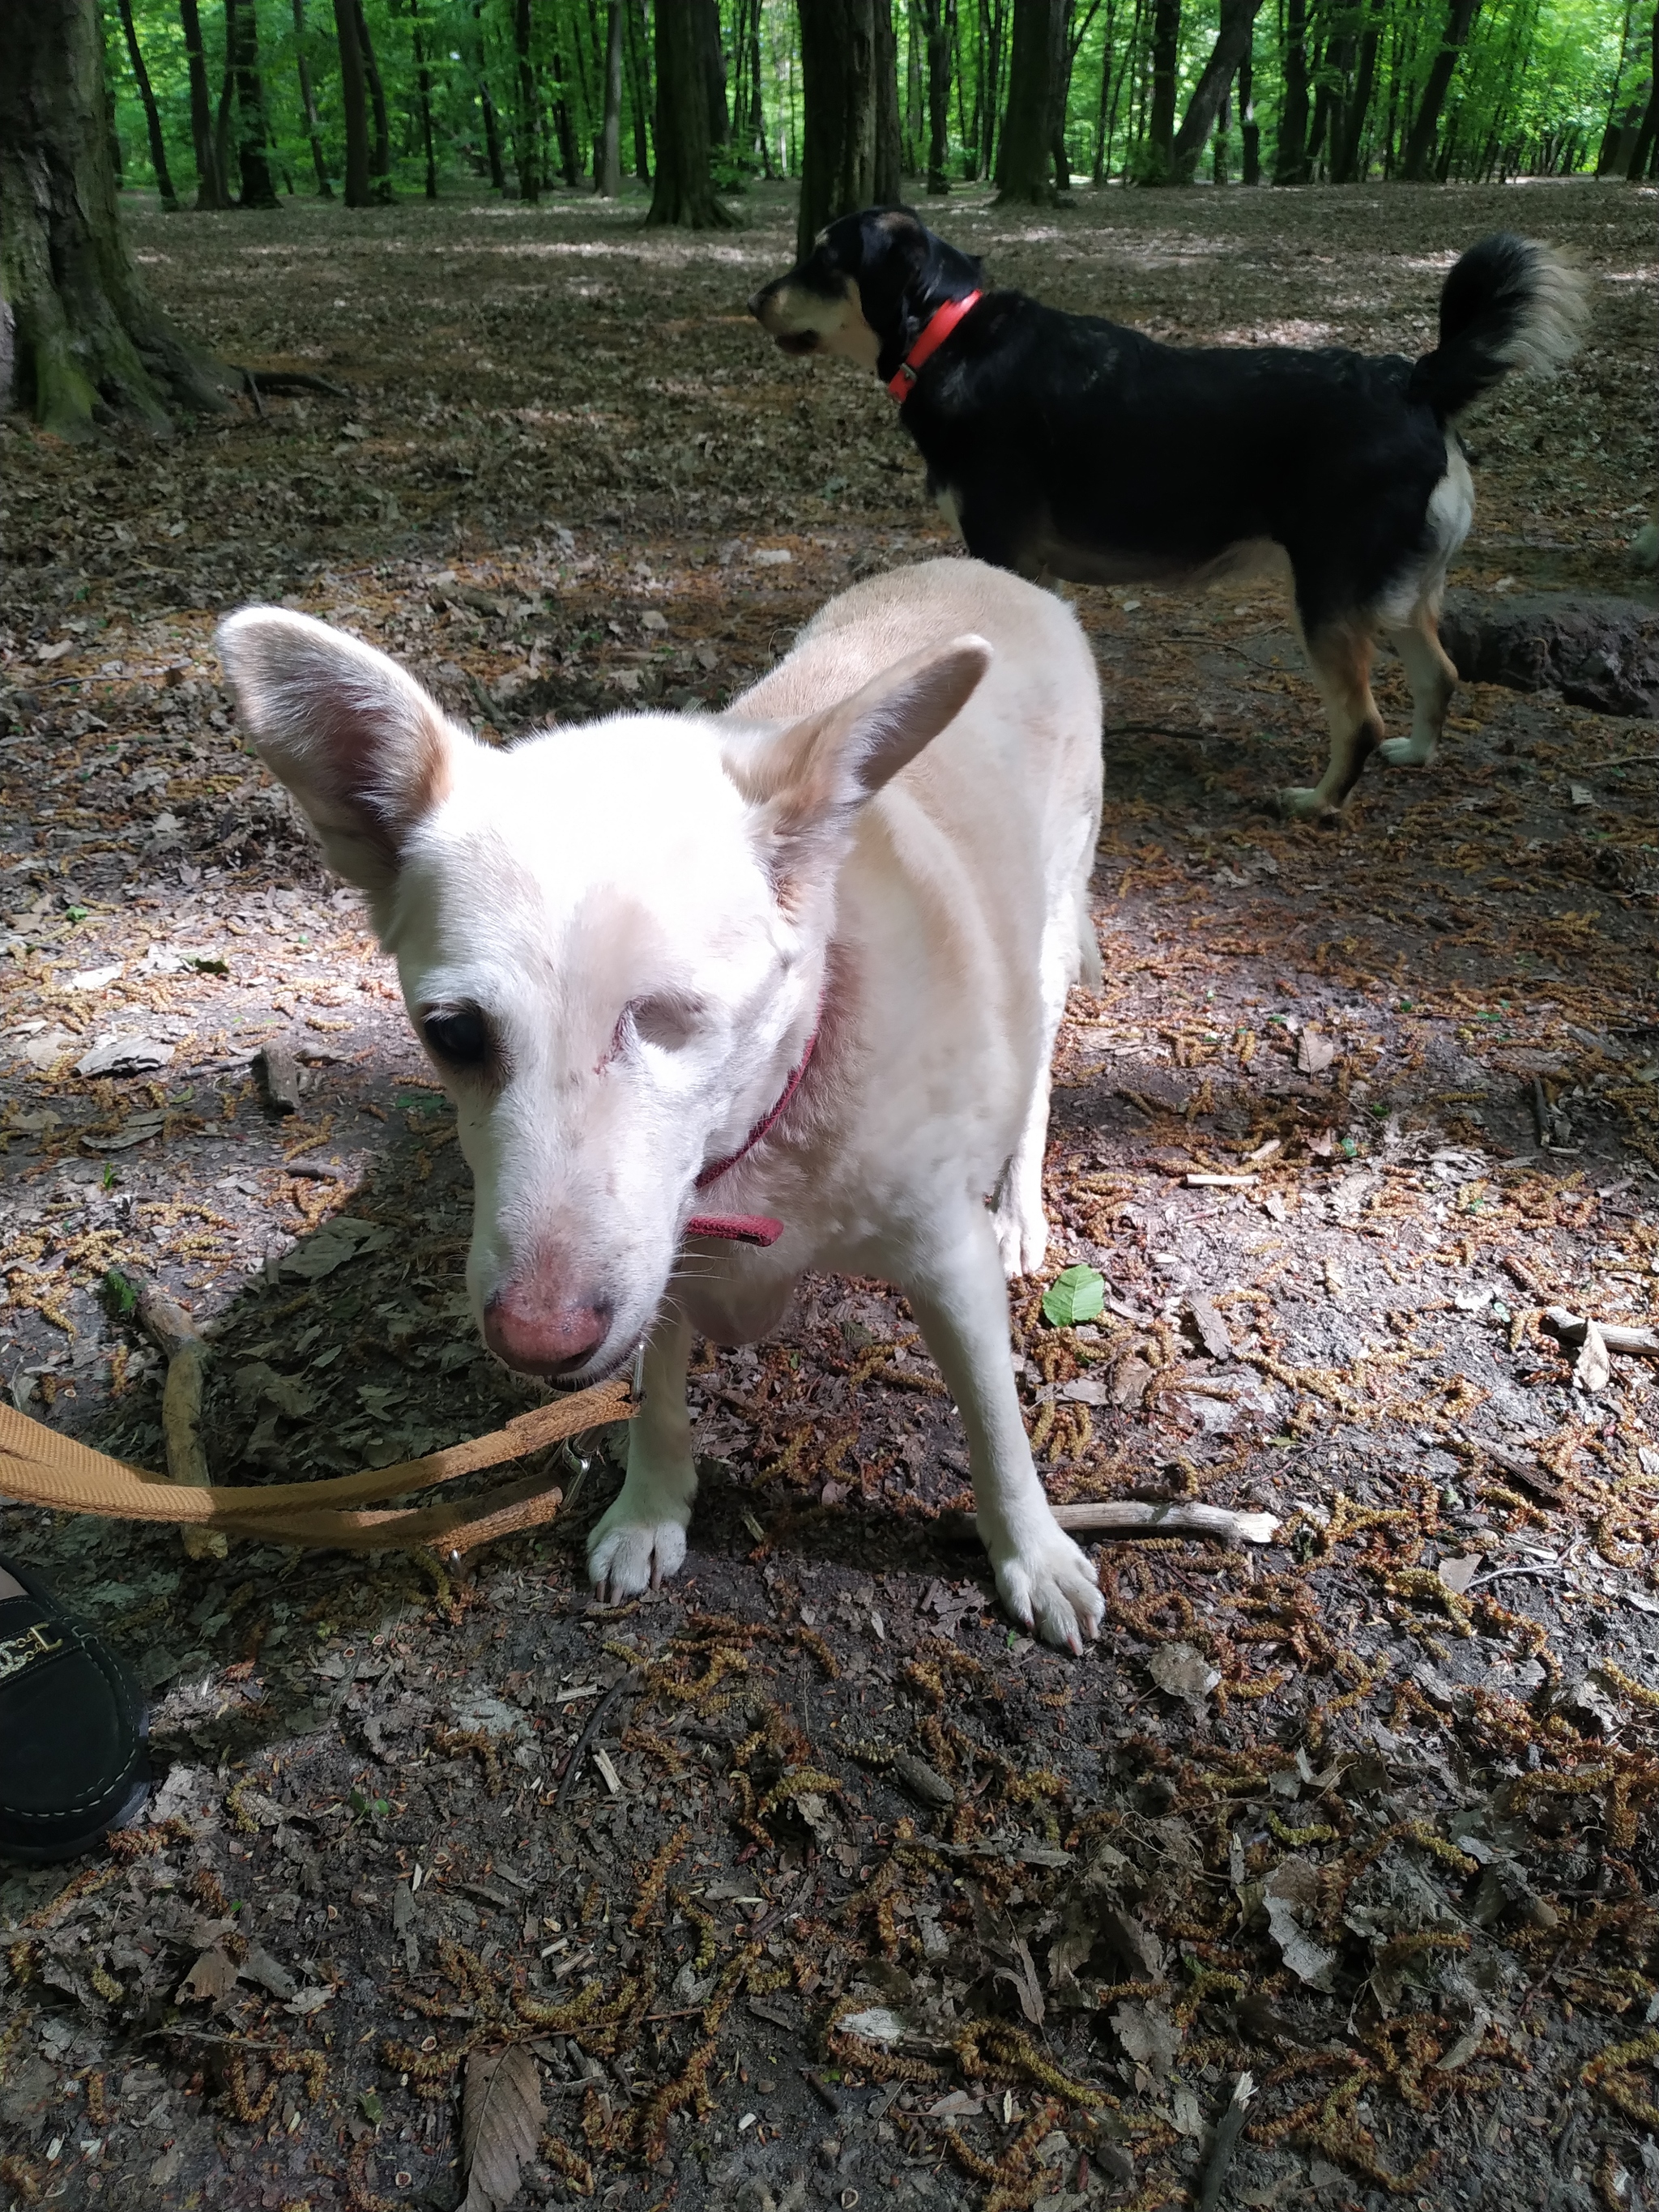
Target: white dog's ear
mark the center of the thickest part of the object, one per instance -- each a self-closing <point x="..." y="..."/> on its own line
<point x="809" y="781"/>
<point x="363" y="748"/>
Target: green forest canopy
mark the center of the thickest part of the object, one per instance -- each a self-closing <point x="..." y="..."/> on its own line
<point x="1540" y="86"/>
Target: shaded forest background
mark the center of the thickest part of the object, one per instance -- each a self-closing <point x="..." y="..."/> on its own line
<point x="249" y="101"/>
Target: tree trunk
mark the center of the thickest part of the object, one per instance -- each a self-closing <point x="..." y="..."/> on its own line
<point x="939" y="21"/>
<point x="684" y="193"/>
<point x="1349" y="130"/>
<point x="257" y="190"/>
<point x="380" y="162"/>
<point x="639" y="55"/>
<point x="757" y="90"/>
<point x="1418" y="166"/>
<point x="1037" y="62"/>
<point x="354" y="101"/>
<point x="487" y="108"/>
<point x="707" y="13"/>
<point x="1232" y="44"/>
<point x="849" y="151"/>
<point x="88" y="340"/>
<point x="608" y="178"/>
<point x="158" y="149"/>
<point x="1290" y="161"/>
<point x="308" y="104"/>
<point x="525" y="134"/>
<point x="1158" y="164"/>
<point x="423" y="90"/>
<point x="564" y="127"/>
<point x="1642" y="153"/>
<point x="1249" y="129"/>
<point x="209" y="184"/>
<point x="221" y="133"/>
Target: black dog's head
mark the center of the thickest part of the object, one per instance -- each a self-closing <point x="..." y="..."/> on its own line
<point x="866" y="289"/>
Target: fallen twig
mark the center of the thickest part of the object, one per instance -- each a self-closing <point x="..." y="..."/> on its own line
<point x="293" y="380"/>
<point x="1144" y="1517"/>
<point x="172" y="1331"/>
<point x="1573" y="1328"/>
<point x="622" y="1686"/>
<point x="1223" y="2143"/>
<point x="1625" y="759"/>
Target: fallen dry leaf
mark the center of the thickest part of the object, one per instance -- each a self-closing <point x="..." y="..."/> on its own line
<point x="502" y="2116"/>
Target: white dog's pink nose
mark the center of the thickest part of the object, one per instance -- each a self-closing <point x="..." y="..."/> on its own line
<point x="540" y="1333"/>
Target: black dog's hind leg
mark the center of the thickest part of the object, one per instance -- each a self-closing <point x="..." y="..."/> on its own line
<point x="1339" y="654"/>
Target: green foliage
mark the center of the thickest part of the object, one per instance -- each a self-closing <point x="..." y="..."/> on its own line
<point x="1533" y="92"/>
<point x="1078" y="1294"/>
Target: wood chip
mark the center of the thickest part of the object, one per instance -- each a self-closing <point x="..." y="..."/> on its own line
<point x="279" y="1073"/>
<point x="1211" y="1330"/>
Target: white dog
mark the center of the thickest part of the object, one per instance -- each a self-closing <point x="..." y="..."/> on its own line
<point x="804" y="960"/>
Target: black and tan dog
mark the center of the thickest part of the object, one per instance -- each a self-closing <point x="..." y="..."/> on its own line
<point x="1064" y="446"/>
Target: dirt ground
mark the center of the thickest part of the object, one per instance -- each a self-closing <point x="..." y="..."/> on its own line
<point x="868" y="1900"/>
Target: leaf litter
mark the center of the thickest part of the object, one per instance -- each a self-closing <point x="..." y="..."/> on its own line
<point x="869" y="1898"/>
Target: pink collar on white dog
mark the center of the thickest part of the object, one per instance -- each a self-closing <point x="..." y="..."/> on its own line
<point x="749" y="1228"/>
<point x="934" y="331"/>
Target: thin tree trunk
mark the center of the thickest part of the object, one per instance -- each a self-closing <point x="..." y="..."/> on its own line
<point x="608" y="169"/>
<point x="423" y="91"/>
<point x="222" y="134"/>
<point x="939" y="24"/>
<point x="380" y="165"/>
<point x="89" y="341"/>
<point x="713" y="71"/>
<point x="1232" y="44"/>
<point x="158" y="151"/>
<point x="354" y="101"/>
<point x="849" y="153"/>
<point x="757" y="88"/>
<point x="487" y="108"/>
<point x="1348" y="131"/>
<point x="1291" y="160"/>
<point x="257" y="190"/>
<point x="1249" y="129"/>
<point x="1419" y="164"/>
<point x="307" y="103"/>
<point x="1641" y="154"/>
<point x="526" y="133"/>
<point x="684" y="195"/>
<point x="1037" y="50"/>
<point x="1157" y="166"/>
<point x="1612" y="130"/>
<point x="638" y="55"/>
<point x="209" y="183"/>
<point x="564" y="127"/>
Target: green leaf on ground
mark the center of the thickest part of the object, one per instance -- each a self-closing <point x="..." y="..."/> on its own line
<point x="1077" y="1295"/>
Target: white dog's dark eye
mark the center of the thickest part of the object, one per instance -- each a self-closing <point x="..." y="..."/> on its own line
<point x="458" y="1036"/>
<point x="666" y="1022"/>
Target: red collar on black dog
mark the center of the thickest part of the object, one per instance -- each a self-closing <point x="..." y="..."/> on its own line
<point x="748" y="1228"/>
<point x="934" y="331"/>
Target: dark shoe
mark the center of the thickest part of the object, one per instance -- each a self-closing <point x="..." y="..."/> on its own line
<point x="72" y="1762"/>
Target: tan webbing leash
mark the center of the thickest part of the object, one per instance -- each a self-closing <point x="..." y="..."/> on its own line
<point x="39" y="1466"/>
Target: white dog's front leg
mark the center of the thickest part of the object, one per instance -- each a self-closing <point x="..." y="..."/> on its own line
<point x="1045" y="1580"/>
<point x="642" y="1537"/>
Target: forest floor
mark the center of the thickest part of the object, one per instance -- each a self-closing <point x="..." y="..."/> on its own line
<point x="870" y="1901"/>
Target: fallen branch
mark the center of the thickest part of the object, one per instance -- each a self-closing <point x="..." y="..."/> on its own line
<point x="1572" y="1328"/>
<point x="292" y="379"/>
<point x="1625" y="759"/>
<point x="1143" y="1517"/>
<point x="172" y="1331"/>
<point x="622" y="1686"/>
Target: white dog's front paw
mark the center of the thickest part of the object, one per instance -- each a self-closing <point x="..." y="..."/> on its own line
<point x="1022" y="1239"/>
<point x="1048" y="1585"/>
<point x="1303" y="803"/>
<point x="1407" y="752"/>
<point x="638" y="1542"/>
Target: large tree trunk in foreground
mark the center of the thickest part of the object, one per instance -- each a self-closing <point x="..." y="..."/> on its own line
<point x="209" y="183"/>
<point x="1231" y="44"/>
<point x="354" y="102"/>
<point x="849" y="93"/>
<point x="158" y="147"/>
<point x="684" y="191"/>
<point x="608" y="178"/>
<point x="1037" y="63"/>
<point x="89" y="340"/>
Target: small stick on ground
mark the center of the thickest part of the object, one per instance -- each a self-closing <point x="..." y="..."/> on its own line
<point x="1223" y="2145"/>
<point x="624" y="1686"/>
<point x="1140" y="1517"/>
<point x="172" y="1331"/>
<point x="1572" y="1328"/>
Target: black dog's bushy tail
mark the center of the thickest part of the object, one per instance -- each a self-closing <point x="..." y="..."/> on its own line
<point x="1509" y="303"/>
